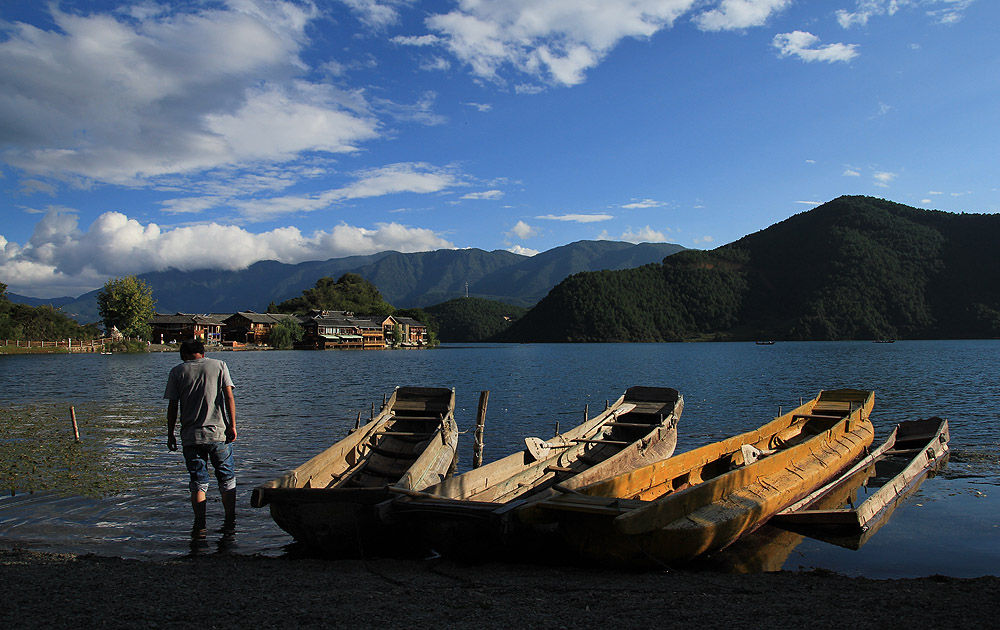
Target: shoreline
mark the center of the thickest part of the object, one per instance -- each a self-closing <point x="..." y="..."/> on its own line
<point x="58" y="590"/>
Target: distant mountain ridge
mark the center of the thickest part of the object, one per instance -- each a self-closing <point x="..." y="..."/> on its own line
<point x="405" y="280"/>
<point x="852" y="268"/>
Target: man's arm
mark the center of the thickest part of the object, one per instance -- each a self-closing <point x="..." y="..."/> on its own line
<point x="171" y="425"/>
<point x="231" y="413"/>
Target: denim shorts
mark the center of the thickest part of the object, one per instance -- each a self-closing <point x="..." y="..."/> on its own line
<point x="197" y="457"/>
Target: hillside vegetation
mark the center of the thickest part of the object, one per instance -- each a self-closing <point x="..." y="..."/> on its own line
<point x="853" y="268"/>
<point x="23" y="322"/>
<point x="474" y="319"/>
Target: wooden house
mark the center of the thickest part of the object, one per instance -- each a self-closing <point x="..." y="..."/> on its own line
<point x="250" y="327"/>
<point x="183" y="326"/>
<point x="330" y="329"/>
<point x="414" y="332"/>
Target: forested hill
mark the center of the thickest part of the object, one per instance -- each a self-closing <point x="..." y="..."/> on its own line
<point x="853" y="268"/>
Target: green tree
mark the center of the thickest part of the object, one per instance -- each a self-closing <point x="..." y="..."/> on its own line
<point x="285" y="333"/>
<point x="350" y="293"/>
<point x="127" y="303"/>
<point x="397" y="335"/>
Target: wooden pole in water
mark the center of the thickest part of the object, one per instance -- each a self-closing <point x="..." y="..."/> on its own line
<point x="477" y="446"/>
<point x="76" y="429"/>
<point x="357" y="423"/>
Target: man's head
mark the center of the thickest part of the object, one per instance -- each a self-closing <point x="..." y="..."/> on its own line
<point x="192" y="347"/>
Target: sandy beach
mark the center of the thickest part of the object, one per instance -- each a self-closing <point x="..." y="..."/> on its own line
<point x="234" y="591"/>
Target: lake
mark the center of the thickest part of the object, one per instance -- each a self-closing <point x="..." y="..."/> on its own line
<point x="293" y="404"/>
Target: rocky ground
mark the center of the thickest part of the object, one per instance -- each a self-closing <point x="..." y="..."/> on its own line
<point x="232" y="591"/>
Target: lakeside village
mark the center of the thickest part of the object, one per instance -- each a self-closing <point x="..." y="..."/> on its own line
<point x="245" y="330"/>
<point x="321" y="330"/>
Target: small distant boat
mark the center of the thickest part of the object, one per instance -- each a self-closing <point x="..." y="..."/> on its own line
<point x="884" y="341"/>
<point x="703" y="500"/>
<point x="464" y="515"/>
<point x="764" y="343"/>
<point x="328" y="502"/>
<point x="912" y="449"/>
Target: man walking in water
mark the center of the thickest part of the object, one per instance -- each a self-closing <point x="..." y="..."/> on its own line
<point x="203" y="390"/>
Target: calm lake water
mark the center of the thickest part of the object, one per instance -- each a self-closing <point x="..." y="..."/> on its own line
<point x="291" y="405"/>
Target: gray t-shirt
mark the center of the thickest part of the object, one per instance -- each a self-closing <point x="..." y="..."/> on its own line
<point x="198" y="385"/>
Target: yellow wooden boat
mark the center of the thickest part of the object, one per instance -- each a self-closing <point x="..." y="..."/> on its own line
<point x="703" y="500"/>
<point x="328" y="502"/>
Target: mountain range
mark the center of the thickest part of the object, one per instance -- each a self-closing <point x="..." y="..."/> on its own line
<point x="405" y="280"/>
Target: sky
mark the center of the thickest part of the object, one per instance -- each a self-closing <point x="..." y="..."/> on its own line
<point x="211" y="134"/>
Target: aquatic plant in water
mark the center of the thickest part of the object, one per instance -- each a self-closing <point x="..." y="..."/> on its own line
<point x="39" y="451"/>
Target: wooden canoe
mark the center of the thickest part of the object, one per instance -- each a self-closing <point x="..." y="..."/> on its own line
<point x="705" y="499"/>
<point x="464" y="514"/>
<point x="328" y="502"/>
<point x="912" y="449"/>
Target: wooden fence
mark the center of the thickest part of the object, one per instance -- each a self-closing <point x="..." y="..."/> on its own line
<point x="73" y="345"/>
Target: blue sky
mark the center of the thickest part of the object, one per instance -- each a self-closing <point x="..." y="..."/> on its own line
<point x="212" y="134"/>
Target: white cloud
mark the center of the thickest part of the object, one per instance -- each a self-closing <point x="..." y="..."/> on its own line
<point x="483" y="107"/>
<point x="61" y="259"/>
<point x="523" y="251"/>
<point x="809" y="203"/>
<point x="851" y="172"/>
<point x="375" y="14"/>
<point x="739" y="14"/>
<point x="555" y="41"/>
<point x="419" y="40"/>
<point x="578" y="218"/>
<point x="486" y="194"/>
<point x="926" y="202"/>
<point x="884" y="178"/>
<point x="934" y="192"/>
<point x="644" y="203"/>
<point x="644" y="235"/>
<point x="523" y="230"/>
<point x="883" y="109"/>
<point x="117" y="100"/>
<point x="805" y="46"/>
<point x="951" y="11"/>
<point x="703" y="240"/>
<point x="416" y="178"/>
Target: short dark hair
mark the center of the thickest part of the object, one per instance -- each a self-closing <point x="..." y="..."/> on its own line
<point x="192" y="347"/>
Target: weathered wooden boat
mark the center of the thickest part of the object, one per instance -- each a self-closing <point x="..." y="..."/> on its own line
<point x="701" y="501"/>
<point x="912" y="449"/>
<point x="467" y="514"/>
<point x="328" y="502"/>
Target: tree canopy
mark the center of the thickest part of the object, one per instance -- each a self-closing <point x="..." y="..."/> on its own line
<point x="285" y="333"/>
<point x="350" y="293"/>
<point x="473" y="319"/>
<point x="127" y="304"/>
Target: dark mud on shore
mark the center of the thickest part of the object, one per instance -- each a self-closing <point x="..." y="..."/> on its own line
<point x="234" y="591"/>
